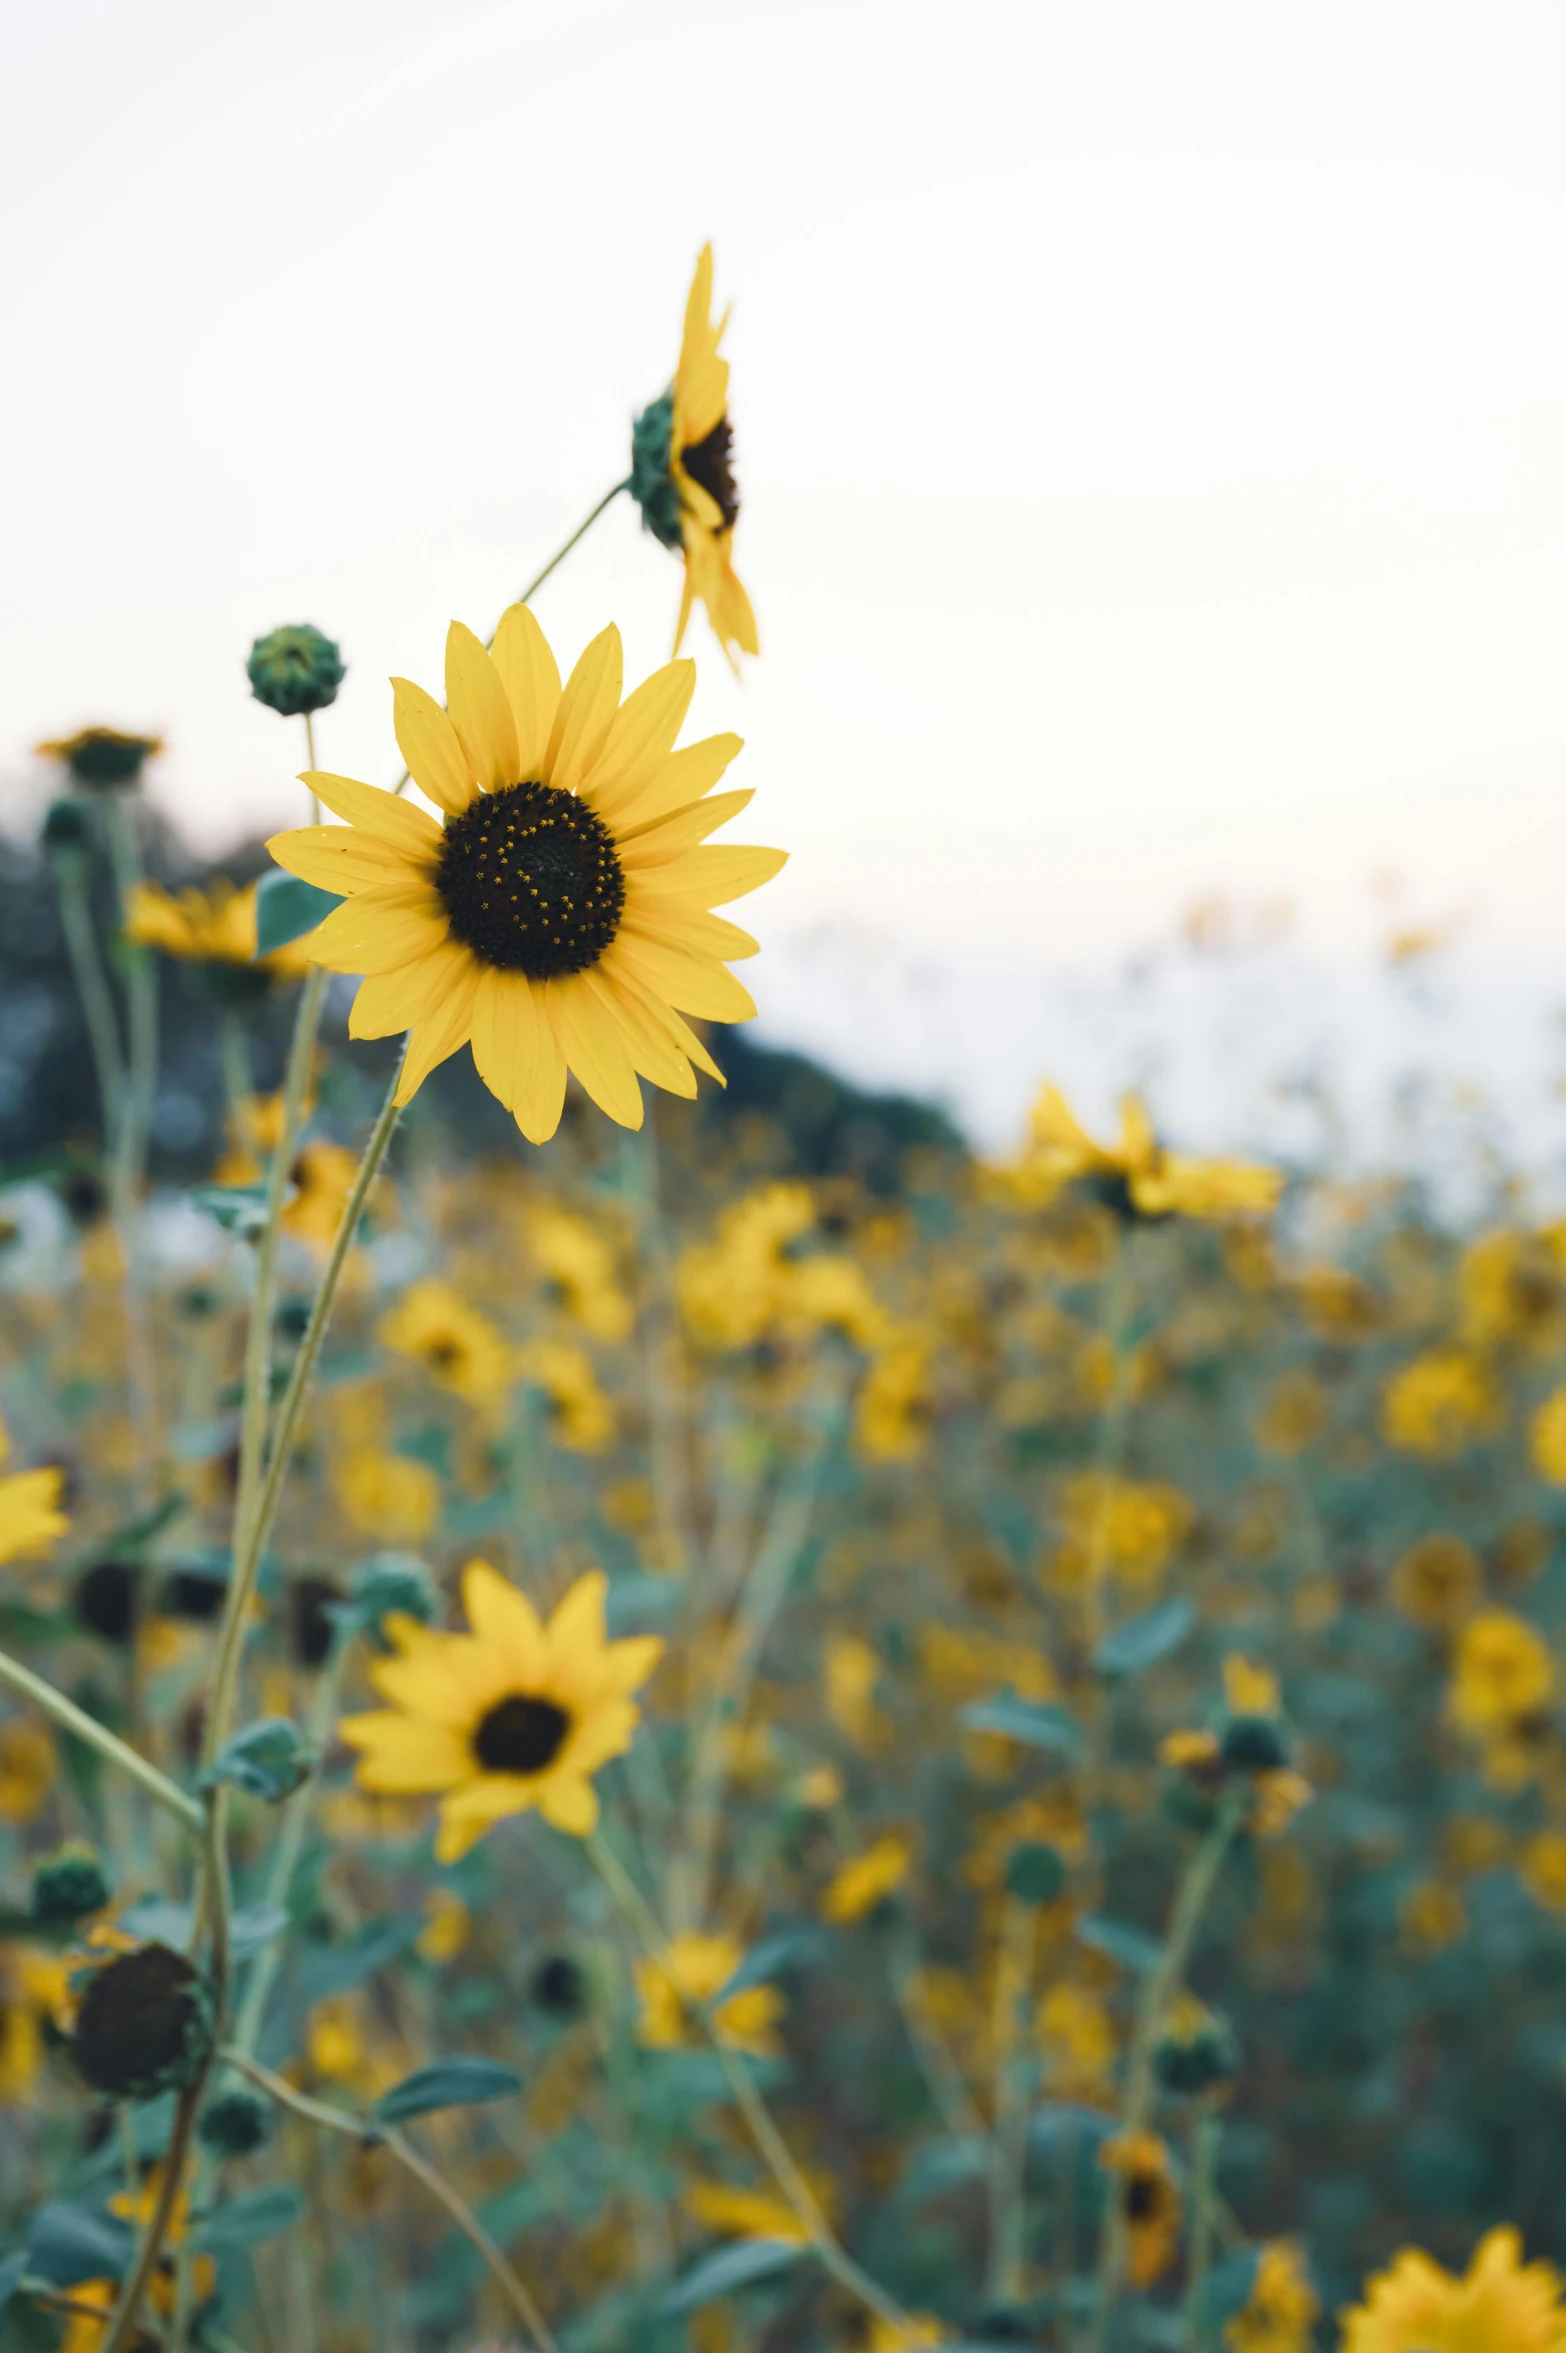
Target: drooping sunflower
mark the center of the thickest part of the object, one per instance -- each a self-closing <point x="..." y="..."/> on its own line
<point x="682" y="474"/>
<point x="512" y="1715"/>
<point x="215" y="930"/>
<point x="563" y="911"/>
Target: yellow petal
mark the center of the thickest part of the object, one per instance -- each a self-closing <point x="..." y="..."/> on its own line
<point x="378" y="930"/>
<point x="538" y="1107"/>
<point x="392" y="819"/>
<point x="480" y="710"/>
<point x="685" y="776"/>
<point x="710" y="877"/>
<point x="438" y="1685"/>
<point x="571" y="1806"/>
<point x="341" y="858"/>
<point x="653" y="1052"/>
<point x="389" y="1002"/>
<point x="502" y="1617"/>
<point x="439" y="1033"/>
<point x="667" y="837"/>
<point x="591" y="1042"/>
<point x="506" y="1023"/>
<point x="432" y="748"/>
<point x="469" y="1812"/>
<point x="690" y="982"/>
<point x="660" y="1012"/>
<point x="531" y="678"/>
<point x="401" y="1754"/>
<point x="586" y="713"/>
<point x="641" y="737"/>
<point x="577" y="1623"/>
<point x="704" y="934"/>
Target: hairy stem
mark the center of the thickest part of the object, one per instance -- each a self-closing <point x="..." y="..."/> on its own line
<point x="76" y="1721"/>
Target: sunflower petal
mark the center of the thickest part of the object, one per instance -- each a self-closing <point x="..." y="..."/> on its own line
<point x="577" y="1622"/>
<point x="691" y="983"/>
<point x="586" y="713"/>
<point x="470" y="1811"/>
<point x="641" y="737"/>
<point x="506" y="1023"/>
<point x="480" y="710"/>
<point x="531" y="677"/>
<point x="703" y="933"/>
<point x="399" y="1753"/>
<point x="571" y="1806"/>
<point x="712" y="876"/>
<point x="379" y="930"/>
<point x="389" y="1002"/>
<point x="542" y="1099"/>
<point x="432" y="748"/>
<point x="502" y="1617"/>
<point x="392" y="819"/>
<point x="664" y="838"/>
<point x="659" y="1011"/>
<point x="594" y="1048"/>
<point x="340" y="858"/>
<point x="653" y="1052"/>
<point x="438" y="1033"/>
<point x="685" y="776"/>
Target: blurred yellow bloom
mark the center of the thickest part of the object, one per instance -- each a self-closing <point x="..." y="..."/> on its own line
<point x="744" y="2214"/>
<point x="581" y="1416"/>
<point x="322" y="1177"/>
<point x="1547" y="1439"/>
<point x="1132" y="1529"/>
<point x="1503" y="1671"/>
<point x="1501" y="2305"/>
<point x="29" y="1768"/>
<point x="1282" y="2309"/>
<point x="1293" y="1415"/>
<point x="1249" y="1690"/>
<point x="1150" y="2202"/>
<point x="1077" y="2037"/>
<point x="1440" y="1403"/>
<point x="1511" y="1292"/>
<point x="919" y="2333"/>
<point x="1137" y="1176"/>
<point x="387" y="1496"/>
<point x="574" y="1257"/>
<point x="1543" y="1869"/>
<point x="853" y="1670"/>
<point x="212" y="926"/>
<point x="335" y="2042"/>
<point x="1438" y="1581"/>
<point x="30" y="1516"/>
<point x="457" y="1346"/>
<point x="1432" y="1917"/>
<point x="34" y="1995"/>
<point x="446" y="1926"/>
<point x="892" y="1414"/>
<point x="693" y="1967"/>
<point x="861" y="1882"/>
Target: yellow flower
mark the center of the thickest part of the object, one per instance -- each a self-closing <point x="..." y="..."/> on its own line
<point x="682" y="474"/>
<point x="919" y="2333"/>
<point x="33" y="1995"/>
<point x="1282" y="2309"/>
<point x="734" y="1289"/>
<point x="1440" y="1403"/>
<point x="445" y="1929"/>
<point x="512" y="1715"/>
<point x="1511" y="1291"/>
<point x="1150" y="2202"/>
<point x="1077" y="2036"/>
<point x="386" y="1495"/>
<point x="582" y="1416"/>
<point x="1249" y="1690"/>
<point x="1122" y="1527"/>
<point x="1338" y="1305"/>
<point x="212" y="926"/>
<point x="1432" y="1917"/>
<point x="1437" y="1581"/>
<point x="1137" y="1177"/>
<point x="322" y="1178"/>
<point x="30" y="1516"/>
<point x="575" y="1258"/>
<point x="84" y="2334"/>
<point x="744" y="2214"/>
<point x="853" y="1670"/>
<point x="864" y="1879"/>
<point x="457" y="1346"/>
<point x="695" y="1968"/>
<point x="29" y="1767"/>
<point x="335" y="2045"/>
<point x="1502" y="2305"/>
<point x="1293" y="1415"/>
<point x="563" y="910"/>
<point x="892" y="1413"/>
<point x="1547" y="1439"/>
<point x="1543" y="1869"/>
<point x="1502" y="1673"/>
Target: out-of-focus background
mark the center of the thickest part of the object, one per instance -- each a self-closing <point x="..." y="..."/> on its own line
<point x="1149" y="428"/>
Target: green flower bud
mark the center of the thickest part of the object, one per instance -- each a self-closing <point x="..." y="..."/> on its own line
<point x="295" y="669"/>
<point x="1196" y="2053"/>
<point x="68" y="1885"/>
<point x="392" y="1581"/>
<point x="1253" y="1744"/>
<point x="145" y="2025"/>
<point x="236" y="2123"/>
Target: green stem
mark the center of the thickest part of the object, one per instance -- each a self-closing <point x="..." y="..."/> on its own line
<point x="361" y="2128"/>
<point x="74" y="1720"/>
<point x="238" y="1084"/>
<point x="771" y="2146"/>
<point x="1190" y="1902"/>
<point x="142" y="991"/>
<point x="1206" y="2132"/>
<point x="69" y="868"/>
<point x="122" y="2327"/>
<point x="538" y="579"/>
<point x="1008" y="2134"/>
<point x="1119" y="1294"/>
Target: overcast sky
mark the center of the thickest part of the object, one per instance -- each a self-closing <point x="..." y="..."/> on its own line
<point x="1149" y="418"/>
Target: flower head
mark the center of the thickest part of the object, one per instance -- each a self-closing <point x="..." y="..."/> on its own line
<point x="214" y="929"/>
<point x="1150" y="2202"/>
<point x="458" y="1347"/>
<point x="512" y="1715"/>
<point x="1502" y="1674"/>
<point x="1437" y="1581"/>
<point x="562" y="912"/>
<point x="1440" y="1404"/>
<point x="1501" y="2305"/>
<point x="696" y="1968"/>
<point x="1136" y="1178"/>
<point x="1281" y="2311"/>
<point x="103" y="759"/>
<point x="861" y="1883"/>
<point x="682" y="474"/>
<point x="30" y="1516"/>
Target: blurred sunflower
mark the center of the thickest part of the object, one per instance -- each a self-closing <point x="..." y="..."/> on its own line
<point x="1136" y="1178"/>
<point x="1281" y="2311"/>
<point x="696" y="1968"/>
<point x="30" y="1514"/>
<point x="458" y="1347"/>
<point x="512" y="1715"/>
<point x="1502" y="2305"/>
<point x="682" y="474"/>
<point x="1150" y="2202"/>
<point x="563" y="912"/>
<point x="214" y="929"/>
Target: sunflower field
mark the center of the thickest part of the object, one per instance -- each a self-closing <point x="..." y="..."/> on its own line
<point x="642" y="1713"/>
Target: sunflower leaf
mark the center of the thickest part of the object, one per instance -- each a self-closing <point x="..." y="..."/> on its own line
<point x="1131" y="1947"/>
<point x="248" y="2219"/>
<point x="239" y="1209"/>
<point x="286" y="908"/>
<point x="1033" y="1722"/>
<point x="1137" y="1642"/>
<point x="269" y="1759"/>
<point x="67" y="2244"/>
<point x="729" y="2268"/>
<point x="446" y="2083"/>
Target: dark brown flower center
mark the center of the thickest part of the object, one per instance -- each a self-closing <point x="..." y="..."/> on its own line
<point x="521" y="1735"/>
<point x="1142" y="2197"/>
<point x="531" y="881"/>
<point x="711" y="463"/>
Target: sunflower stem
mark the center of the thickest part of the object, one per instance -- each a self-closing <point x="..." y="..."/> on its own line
<point x="1206" y="2132"/>
<point x="1009" y="2116"/>
<point x="69" y="868"/>
<point x="538" y="579"/>
<point x="129" y="1167"/>
<point x="366" y="2129"/>
<point x="74" y="1720"/>
<point x="1201" y="1876"/>
<point x="770" y="2144"/>
<point x="122" y="2327"/>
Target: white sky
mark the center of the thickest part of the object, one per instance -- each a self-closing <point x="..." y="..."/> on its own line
<point x="1149" y="419"/>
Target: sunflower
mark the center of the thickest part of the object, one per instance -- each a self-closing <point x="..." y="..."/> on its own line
<point x="512" y="1715"/>
<point x="102" y="758"/>
<point x="563" y="911"/>
<point x="214" y="929"/>
<point x="1136" y="1178"/>
<point x="682" y="474"/>
<point x="697" y="1967"/>
<point x="1503" y="2305"/>
<point x="1150" y="2202"/>
<point x="30" y="1514"/>
<point x="458" y="1347"/>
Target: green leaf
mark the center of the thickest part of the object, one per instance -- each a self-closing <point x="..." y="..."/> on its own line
<point x="247" y="2220"/>
<point x="788" y="1949"/>
<point x="1138" y="1641"/>
<point x="67" y="2244"/>
<point x="287" y="908"/>
<point x="730" y="2268"/>
<point x="11" y="2271"/>
<point x="239" y="1209"/>
<point x="337" y="1969"/>
<point x="1033" y="1722"/>
<point x="446" y="2083"/>
<point x="253" y="1929"/>
<point x="269" y="1759"/>
<point x="1131" y="1947"/>
<point x="941" y="2166"/>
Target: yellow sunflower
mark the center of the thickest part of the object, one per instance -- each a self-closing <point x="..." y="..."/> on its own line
<point x="682" y="474"/>
<point x="563" y="911"/>
<point x="215" y="927"/>
<point x="1503" y="2305"/>
<point x="512" y="1715"/>
<point x="30" y="1514"/>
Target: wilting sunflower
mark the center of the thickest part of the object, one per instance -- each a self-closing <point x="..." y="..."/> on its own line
<point x="682" y="474"/>
<point x="513" y="1715"/>
<point x="563" y="911"/>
